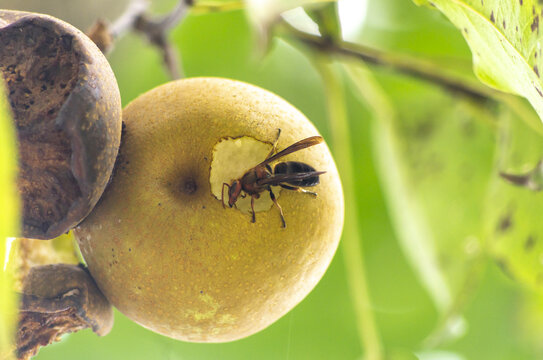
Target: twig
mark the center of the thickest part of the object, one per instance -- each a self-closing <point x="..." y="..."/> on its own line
<point x="156" y="32"/>
<point x="127" y="20"/>
<point x="398" y="62"/>
<point x="155" y="29"/>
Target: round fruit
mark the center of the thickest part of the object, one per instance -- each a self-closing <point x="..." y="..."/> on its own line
<point x="67" y="110"/>
<point x="164" y="249"/>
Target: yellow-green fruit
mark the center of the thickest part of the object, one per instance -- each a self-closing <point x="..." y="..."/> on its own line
<point x="162" y="247"/>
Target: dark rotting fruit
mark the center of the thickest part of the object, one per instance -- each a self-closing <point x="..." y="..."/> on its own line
<point x="59" y="299"/>
<point x="67" y="110"/>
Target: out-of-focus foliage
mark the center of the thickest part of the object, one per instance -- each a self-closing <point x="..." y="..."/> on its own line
<point x="9" y="210"/>
<point x="435" y="162"/>
<point x="327" y="20"/>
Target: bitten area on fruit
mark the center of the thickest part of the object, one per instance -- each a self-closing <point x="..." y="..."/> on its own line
<point x="40" y="68"/>
<point x="232" y="157"/>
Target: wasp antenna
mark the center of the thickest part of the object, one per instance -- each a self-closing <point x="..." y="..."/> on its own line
<point x="274" y="146"/>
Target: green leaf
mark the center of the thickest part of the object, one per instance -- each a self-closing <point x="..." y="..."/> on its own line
<point x="210" y="6"/>
<point x="530" y="314"/>
<point x="514" y="228"/>
<point x="9" y="218"/>
<point x="505" y="41"/>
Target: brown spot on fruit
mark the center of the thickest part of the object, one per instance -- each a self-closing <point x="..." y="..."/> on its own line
<point x="189" y="186"/>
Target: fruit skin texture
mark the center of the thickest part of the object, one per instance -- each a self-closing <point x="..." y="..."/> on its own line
<point x="163" y="249"/>
<point x="67" y="109"/>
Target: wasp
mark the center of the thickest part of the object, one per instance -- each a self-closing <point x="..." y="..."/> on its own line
<point x="290" y="175"/>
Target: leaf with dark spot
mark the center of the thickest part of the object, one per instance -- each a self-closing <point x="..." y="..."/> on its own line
<point x="435" y="160"/>
<point x="505" y="223"/>
<point x="529" y="243"/>
<point x="535" y="24"/>
<point x="503" y="57"/>
<point x="515" y="202"/>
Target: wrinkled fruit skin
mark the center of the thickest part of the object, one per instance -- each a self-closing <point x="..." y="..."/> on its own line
<point x="163" y="249"/>
<point x="59" y="299"/>
<point x="67" y="110"/>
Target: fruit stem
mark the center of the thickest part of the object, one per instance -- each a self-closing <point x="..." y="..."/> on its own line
<point x="351" y="240"/>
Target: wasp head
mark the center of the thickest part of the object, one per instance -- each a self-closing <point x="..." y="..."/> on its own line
<point x="233" y="192"/>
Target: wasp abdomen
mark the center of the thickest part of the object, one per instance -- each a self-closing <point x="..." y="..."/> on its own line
<point x="296" y="167"/>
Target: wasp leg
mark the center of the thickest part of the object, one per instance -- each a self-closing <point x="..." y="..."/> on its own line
<point x="274" y="147"/>
<point x="222" y="193"/>
<point x="294" y="188"/>
<point x="272" y="196"/>
<point x="253" y="207"/>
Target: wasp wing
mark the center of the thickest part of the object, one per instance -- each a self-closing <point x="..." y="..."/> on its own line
<point x="302" y="144"/>
<point x="282" y="178"/>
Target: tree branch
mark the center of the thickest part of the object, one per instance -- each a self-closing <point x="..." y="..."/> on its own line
<point x="155" y="29"/>
<point x="411" y="66"/>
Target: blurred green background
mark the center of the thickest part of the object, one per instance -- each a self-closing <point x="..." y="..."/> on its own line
<point x="480" y="311"/>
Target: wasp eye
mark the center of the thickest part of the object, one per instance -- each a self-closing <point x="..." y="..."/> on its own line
<point x="233" y="193"/>
<point x="232" y="189"/>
